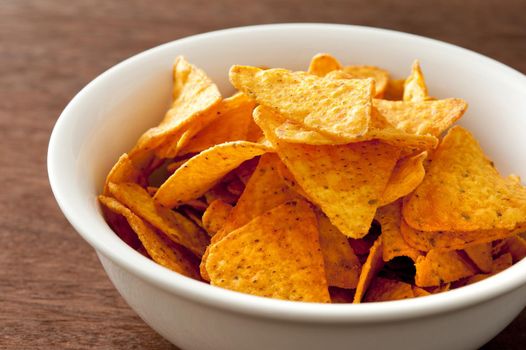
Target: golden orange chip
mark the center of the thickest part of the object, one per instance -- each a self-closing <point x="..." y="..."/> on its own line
<point x="394" y="90"/>
<point x="439" y="289"/>
<point x="394" y="244"/>
<point x="370" y="269"/>
<point x="502" y="263"/>
<point x="462" y="191"/>
<point x="220" y="191"/>
<point x="341" y="295"/>
<point x="123" y="171"/>
<point x="425" y="241"/>
<point x="273" y="256"/>
<point x="288" y="178"/>
<point x="422" y="117"/>
<point x="346" y="181"/>
<point x="515" y="245"/>
<point x="323" y="63"/>
<point x="172" y="257"/>
<point x="232" y="124"/>
<point x="205" y="170"/>
<point x="215" y="216"/>
<point x="383" y="289"/>
<point x="407" y="174"/>
<point x="342" y="266"/>
<point x="420" y="292"/>
<point x="195" y="97"/>
<point x="415" y="88"/>
<point x="439" y="267"/>
<point x="340" y="107"/>
<point x="178" y="228"/>
<point x="481" y="256"/>
<point x="379" y="75"/>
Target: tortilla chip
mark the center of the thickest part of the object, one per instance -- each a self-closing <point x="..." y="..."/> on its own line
<point x="341" y="295"/>
<point x="342" y="266"/>
<point x="420" y="292"/>
<point x="379" y="75"/>
<point x="407" y="174"/>
<point x="335" y="107"/>
<point x="415" y="88"/>
<point x="232" y="124"/>
<point x="370" y="269"/>
<point x="215" y="216"/>
<point x="394" y="244"/>
<point x="197" y="204"/>
<point x="178" y="228"/>
<point x="383" y="289"/>
<point x="204" y="170"/>
<point x="191" y="214"/>
<point x="195" y="97"/>
<point x="462" y="191"/>
<point x="221" y="192"/>
<point x="173" y="257"/>
<point x="515" y="245"/>
<point x="323" y="63"/>
<point x="481" y="256"/>
<point x="123" y="171"/>
<point x="502" y="263"/>
<point x="273" y="256"/>
<point x="394" y="90"/>
<point x="425" y="241"/>
<point x="346" y="181"/>
<point x="422" y="117"/>
<point x="289" y="179"/>
<point x="439" y="267"/>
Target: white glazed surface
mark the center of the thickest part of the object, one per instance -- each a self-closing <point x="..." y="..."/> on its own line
<point x="109" y="114"/>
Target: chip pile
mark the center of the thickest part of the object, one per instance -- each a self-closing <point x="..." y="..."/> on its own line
<point x="336" y="184"/>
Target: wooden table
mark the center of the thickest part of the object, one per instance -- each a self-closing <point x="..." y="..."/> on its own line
<point x="53" y="292"/>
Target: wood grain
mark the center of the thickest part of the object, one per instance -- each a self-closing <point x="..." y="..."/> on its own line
<point x="53" y="292"/>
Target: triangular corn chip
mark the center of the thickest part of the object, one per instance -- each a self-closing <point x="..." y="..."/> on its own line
<point x="480" y="255"/>
<point x="204" y="170"/>
<point x="172" y="256"/>
<point x="370" y="269"/>
<point x="379" y="75"/>
<point x="323" y="63"/>
<point x="422" y="117"/>
<point x="394" y="244"/>
<point x="273" y="256"/>
<point x="415" y="88"/>
<point x="439" y="267"/>
<point x="462" y="191"/>
<point x="340" y="107"/>
<point x="515" y="245"/>
<point x="232" y="124"/>
<point x="123" y="171"/>
<point x="407" y="174"/>
<point x="383" y="289"/>
<point x="174" y="225"/>
<point x="394" y="90"/>
<point x="346" y="181"/>
<point x="215" y="216"/>
<point x="342" y="266"/>
<point x="420" y="292"/>
<point x="195" y="97"/>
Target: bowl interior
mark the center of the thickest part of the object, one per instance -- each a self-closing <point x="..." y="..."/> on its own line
<point x="106" y="118"/>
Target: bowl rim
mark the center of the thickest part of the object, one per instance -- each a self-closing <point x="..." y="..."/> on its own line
<point x="231" y="301"/>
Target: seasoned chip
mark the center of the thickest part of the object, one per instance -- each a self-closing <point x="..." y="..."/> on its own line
<point x="289" y="179"/>
<point x="215" y="216"/>
<point x="273" y="256"/>
<point x="370" y="269"/>
<point x="394" y="244"/>
<point x="502" y="263"/>
<point x="204" y="170"/>
<point x="515" y="245"/>
<point x="346" y="181"/>
<point x="171" y="256"/>
<point x="415" y="88"/>
<point x="422" y="117"/>
<point x="323" y="63"/>
<point x="481" y="256"/>
<point x="123" y="171"/>
<point x="447" y="240"/>
<point x="340" y="107"/>
<point x="383" y="289"/>
<point x="178" y="228"/>
<point x="462" y="191"/>
<point x="439" y="267"/>
<point x="232" y="124"/>
<point x="420" y="292"/>
<point x="195" y="97"/>
<point x="407" y="174"/>
<point x="379" y="75"/>
<point x="342" y="266"/>
<point x="394" y="90"/>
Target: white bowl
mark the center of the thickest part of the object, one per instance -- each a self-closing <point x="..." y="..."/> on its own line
<point x="108" y="115"/>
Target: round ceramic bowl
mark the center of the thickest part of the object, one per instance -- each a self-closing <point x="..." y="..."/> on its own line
<point x="108" y="115"/>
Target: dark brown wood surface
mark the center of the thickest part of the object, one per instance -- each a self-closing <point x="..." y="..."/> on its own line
<point x="53" y="291"/>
